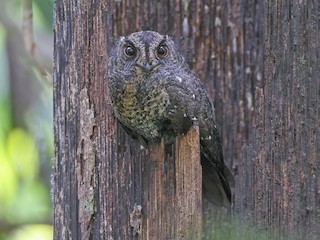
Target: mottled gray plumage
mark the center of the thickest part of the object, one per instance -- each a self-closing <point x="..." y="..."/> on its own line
<point x="155" y="94"/>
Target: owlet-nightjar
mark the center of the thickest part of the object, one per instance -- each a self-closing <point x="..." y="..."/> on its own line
<point x="155" y="94"/>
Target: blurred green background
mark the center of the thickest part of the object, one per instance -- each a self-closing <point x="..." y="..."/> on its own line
<point x="26" y="135"/>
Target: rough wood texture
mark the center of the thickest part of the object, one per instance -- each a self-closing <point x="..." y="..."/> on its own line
<point x="269" y="125"/>
<point x="105" y="185"/>
<point x="172" y="190"/>
<point x="279" y="169"/>
<point x="82" y="113"/>
<point x="188" y="186"/>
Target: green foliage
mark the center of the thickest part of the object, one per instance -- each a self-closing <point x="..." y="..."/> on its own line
<point x="42" y="12"/>
<point x="22" y="196"/>
<point x="45" y="9"/>
<point x="31" y="205"/>
<point x="8" y="179"/>
<point x="3" y="65"/>
<point x="34" y="232"/>
<point x="5" y="119"/>
<point x="24" y="152"/>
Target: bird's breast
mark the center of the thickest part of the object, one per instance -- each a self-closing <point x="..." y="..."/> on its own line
<point x="126" y="101"/>
<point x="142" y="109"/>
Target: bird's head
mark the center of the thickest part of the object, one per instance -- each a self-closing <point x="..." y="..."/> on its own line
<point x="142" y="53"/>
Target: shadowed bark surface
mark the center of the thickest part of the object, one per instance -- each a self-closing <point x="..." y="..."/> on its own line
<point x="279" y="180"/>
<point x="268" y="113"/>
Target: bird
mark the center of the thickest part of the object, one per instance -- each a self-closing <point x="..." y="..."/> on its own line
<point x="155" y="94"/>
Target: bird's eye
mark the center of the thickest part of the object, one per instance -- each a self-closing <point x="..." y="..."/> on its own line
<point x="130" y="51"/>
<point x="162" y="51"/>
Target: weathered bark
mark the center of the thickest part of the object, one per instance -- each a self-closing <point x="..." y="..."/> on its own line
<point x="82" y="115"/>
<point x="269" y="125"/>
<point x="172" y="190"/>
<point x="279" y="180"/>
<point x="106" y="186"/>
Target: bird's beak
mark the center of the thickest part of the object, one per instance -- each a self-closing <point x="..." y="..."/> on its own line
<point x="147" y="67"/>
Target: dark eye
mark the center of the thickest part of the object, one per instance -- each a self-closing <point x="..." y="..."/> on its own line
<point x="162" y="51"/>
<point x="130" y="51"/>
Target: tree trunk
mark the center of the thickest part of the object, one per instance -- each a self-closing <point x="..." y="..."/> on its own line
<point x="268" y="115"/>
<point x="106" y="186"/>
<point x="278" y="172"/>
<point x="172" y="190"/>
<point x="85" y="195"/>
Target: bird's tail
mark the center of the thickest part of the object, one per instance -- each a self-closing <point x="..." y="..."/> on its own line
<point x="216" y="183"/>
